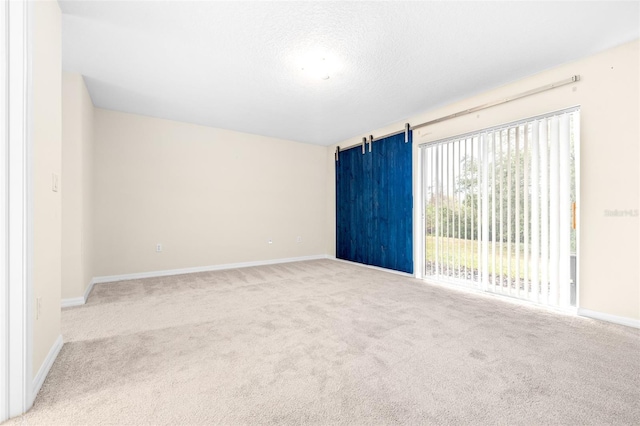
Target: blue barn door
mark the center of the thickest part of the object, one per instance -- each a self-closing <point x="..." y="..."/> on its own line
<point x="374" y="203"/>
<point x="351" y="201"/>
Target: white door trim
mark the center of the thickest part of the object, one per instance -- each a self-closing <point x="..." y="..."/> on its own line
<point x="17" y="217"/>
<point x="419" y="257"/>
<point x="4" y="290"/>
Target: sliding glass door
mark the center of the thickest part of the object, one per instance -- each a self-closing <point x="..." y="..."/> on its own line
<point x="499" y="208"/>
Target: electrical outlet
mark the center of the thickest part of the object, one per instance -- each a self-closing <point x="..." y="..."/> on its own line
<point x="269" y="241"/>
<point x="158" y="247"/>
<point x="299" y="239"/>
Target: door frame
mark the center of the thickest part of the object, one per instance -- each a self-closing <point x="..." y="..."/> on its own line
<point x="16" y="189"/>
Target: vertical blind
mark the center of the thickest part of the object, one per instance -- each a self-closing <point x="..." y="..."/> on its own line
<point x="498" y="206"/>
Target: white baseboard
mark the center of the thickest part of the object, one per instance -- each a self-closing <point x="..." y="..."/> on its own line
<point x="168" y="272"/>
<point x="38" y="380"/>
<point x="87" y="292"/>
<point x="78" y="301"/>
<point x="629" y="322"/>
<point x="75" y="301"/>
<point x="377" y="268"/>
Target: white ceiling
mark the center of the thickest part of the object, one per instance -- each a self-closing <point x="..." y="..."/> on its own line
<point x="236" y="65"/>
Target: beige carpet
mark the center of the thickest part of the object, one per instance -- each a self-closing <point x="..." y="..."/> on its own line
<point x="325" y="342"/>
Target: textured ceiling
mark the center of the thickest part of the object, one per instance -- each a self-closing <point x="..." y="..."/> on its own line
<point x="237" y="65"/>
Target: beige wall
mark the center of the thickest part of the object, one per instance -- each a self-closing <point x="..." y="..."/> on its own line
<point x="77" y="197"/>
<point x="209" y="196"/>
<point x="46" y="78"/>
<point x="608" y="96"/>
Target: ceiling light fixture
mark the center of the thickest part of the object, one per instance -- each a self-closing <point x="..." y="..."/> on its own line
<point x="318" y="68"/>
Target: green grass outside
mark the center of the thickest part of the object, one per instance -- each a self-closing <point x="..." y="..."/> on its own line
<point x="465" y="252"/>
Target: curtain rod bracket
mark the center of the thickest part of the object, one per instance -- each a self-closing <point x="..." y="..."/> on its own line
<point x="337" y="153"/>
<point x="407" y="127"/>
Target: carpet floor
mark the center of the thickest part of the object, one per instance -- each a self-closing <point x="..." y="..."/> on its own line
<point x="326" y="342"/>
